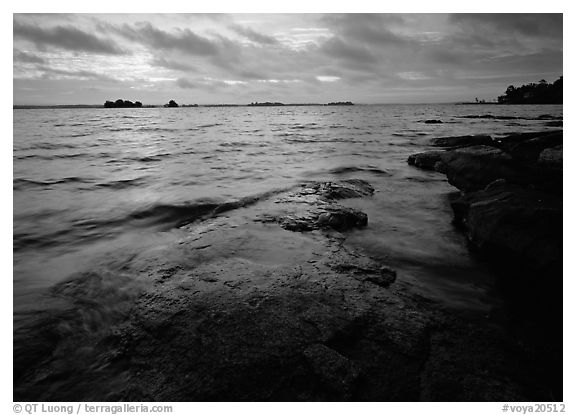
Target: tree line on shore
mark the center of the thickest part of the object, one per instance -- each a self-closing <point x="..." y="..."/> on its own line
<point x="540" y="93"/>
<point x="120" y="103"/>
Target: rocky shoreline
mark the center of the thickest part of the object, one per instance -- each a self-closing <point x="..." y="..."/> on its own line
<point x="510" y="207"/>
<point x="267" y="302"/>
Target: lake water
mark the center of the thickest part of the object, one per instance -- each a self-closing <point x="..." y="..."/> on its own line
<point x="90" y="181"/>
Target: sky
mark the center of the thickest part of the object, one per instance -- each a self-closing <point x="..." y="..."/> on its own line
<point x="291" y="58"/>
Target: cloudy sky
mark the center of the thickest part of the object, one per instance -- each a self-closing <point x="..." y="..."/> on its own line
<point x="297" y="58"/>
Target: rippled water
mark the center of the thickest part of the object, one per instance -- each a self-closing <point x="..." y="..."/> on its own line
<point x="87" y="181"/>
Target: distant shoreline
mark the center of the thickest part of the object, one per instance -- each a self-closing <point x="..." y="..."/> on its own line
<point x="80" y="106"/>
<point x="27" y="107"/>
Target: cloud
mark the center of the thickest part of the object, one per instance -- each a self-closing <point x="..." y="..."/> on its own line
<point x="547" y="25"/>
<point x="185" y="83"/>
<point x="242" y="58"/>
<point x="49" y="72"/>
<point x="543" y="61"/>
<point x="338" y="48"/>
<point x="183" y="40"/>
<point x="173" y="64"/>
<point x="253" y="35"/>
<point x="367" y="29"/>
<point x="65" y="37"/>
<point x="323" y="78"/>
<point x="25" y="57"/>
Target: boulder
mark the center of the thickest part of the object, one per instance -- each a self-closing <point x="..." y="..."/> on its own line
<point x="528" y="151"/>
<point x="515" y="225"/>
<point x="429" y="160"/>
<point x="472" y="168"/>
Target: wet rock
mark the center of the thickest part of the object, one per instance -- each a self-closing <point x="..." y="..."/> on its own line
<point x="261" y="314"/>
<point x="344" y="189"/>
<point x="514" y="138"/>
<point x="472" y="168"/>
<point x="462" y="141"/>
<point x="335" y="217"/>
<point x="341" y="219"/>
<point x="512" y="158"/>
<point x="551" y="158"/>
<point x="334" y="370"/>
<point x="430" y="160"/>
<point x="314" y="206"/>
<point x="514" y="224"/>
<point x="527" y="151"/>
<point x="362" y="268"/>
<point x="510" y="208"/>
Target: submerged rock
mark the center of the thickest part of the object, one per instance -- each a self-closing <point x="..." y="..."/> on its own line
<point x="314" y="207"/>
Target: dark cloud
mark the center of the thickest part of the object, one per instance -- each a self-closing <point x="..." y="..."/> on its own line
<point x="183" y="40"/>
<point x="548" y="25"/>
<point x="204" y="84"/>
<point x="65" y="37"/>
<point x="447" y="56"/>
<point x="25" y="57"/>
<point x="338" y="48"/>
<point x="544" y="61"/>
<point x="173" y="64"/>
<point x="253" y="35"/>
<point x="185" y="83"/>
<point x="371" y="29"/>
<point x="229" y="58"/>
<point x="49" y="72"/>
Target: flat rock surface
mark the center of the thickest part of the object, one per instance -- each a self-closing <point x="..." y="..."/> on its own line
<point x="237" y="308"/>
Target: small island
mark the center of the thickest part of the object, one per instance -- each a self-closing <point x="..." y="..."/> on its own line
<point x="266" y="104"/>
<point x="171" y="104"/>
<point x="340" y="103"/>
<point x="119" y="103"/>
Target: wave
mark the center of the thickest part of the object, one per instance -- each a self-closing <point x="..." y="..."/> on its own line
<point x="56" y="156"/>
<point x="158" y="129"/>
<point x="237" y="144"/>
<point x="119" y="129"/>
<point x="140" y="159"/>
<point x="77" y="135"/>
<point x="342" y="170"/>
<point x="123" y="184"/>
<point x="22" y="184"/>
<point x="162" y="216"/>
<point x="366" y="169"/>
<point x="49" y="146"/>
<point x="217" y="124"/>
